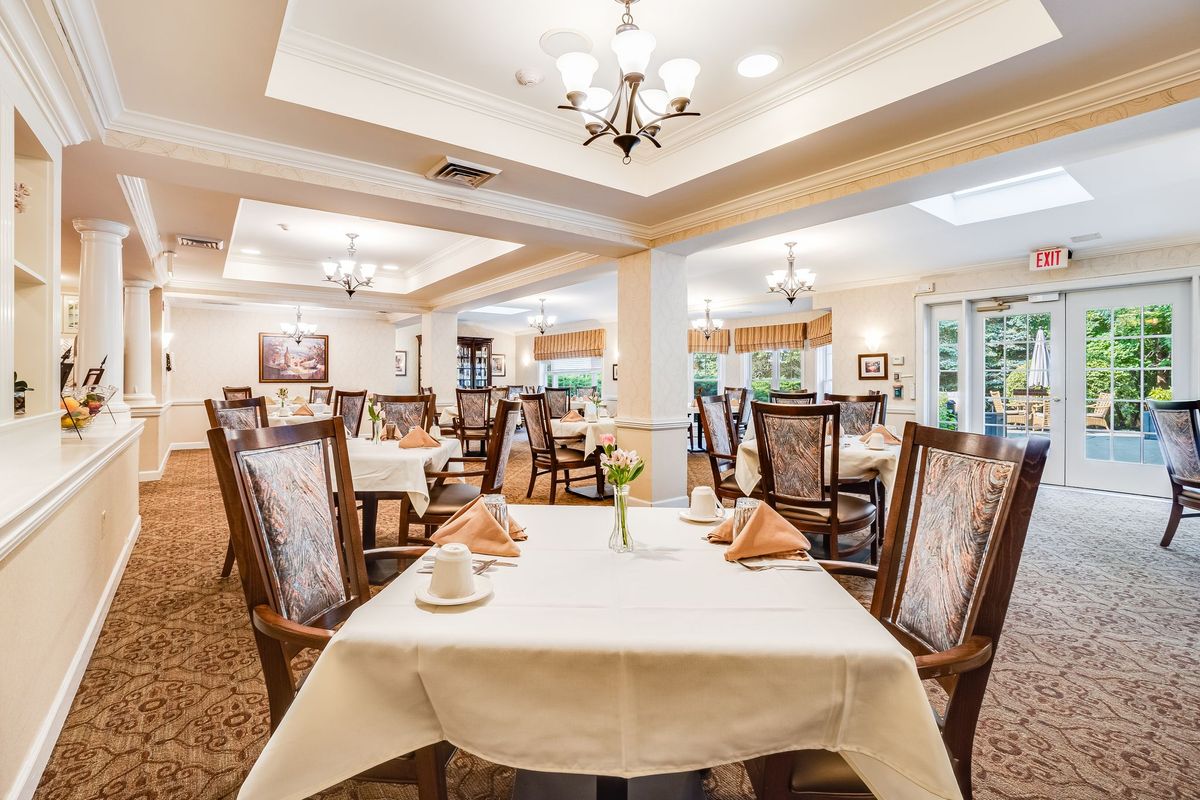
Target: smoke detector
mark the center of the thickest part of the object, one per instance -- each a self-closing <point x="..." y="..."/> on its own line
<point x="202" y="242"/>
<point x="465" y="173"/>
<point x="529" y="77"/>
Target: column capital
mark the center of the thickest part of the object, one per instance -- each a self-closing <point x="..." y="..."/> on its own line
<point x="88" y="225"/>
<point x="139" y="284"/>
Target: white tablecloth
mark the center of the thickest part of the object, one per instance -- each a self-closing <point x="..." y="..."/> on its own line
<point x="591" y="431"/>
<point x="857" y="459"/>
<point x="589" y="661"/>
<point x="387" y="467"/>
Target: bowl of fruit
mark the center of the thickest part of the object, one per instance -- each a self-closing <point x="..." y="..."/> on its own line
<point x="75" y="413"/>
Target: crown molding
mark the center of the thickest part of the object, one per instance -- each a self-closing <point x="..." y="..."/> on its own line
<point x="241" y="291"/>
<point x="518" y="279"/>
<point x="80" y="28"/>
<point x="137" y="197"/>
<point x="465" y="243"/>
<point x="22" y="42"/>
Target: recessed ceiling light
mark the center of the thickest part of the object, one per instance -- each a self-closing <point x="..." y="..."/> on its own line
<point x="506" y="310"/>
<point x="250" y="251"/>
<point x="758" y="65"/>
<point x="390" y="267"/>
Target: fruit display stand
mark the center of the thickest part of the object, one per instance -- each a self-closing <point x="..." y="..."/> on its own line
<point x="81" y="405"/>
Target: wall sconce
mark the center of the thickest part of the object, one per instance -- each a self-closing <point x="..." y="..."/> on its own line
<point x="873" y="339"/>
<point x="167" y="336"/>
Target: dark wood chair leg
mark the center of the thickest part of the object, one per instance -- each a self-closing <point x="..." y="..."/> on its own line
<point x="431" y="774"/>
<point x="405" y="524"/>
<point x="227" y="569"/>
<point x="370" y="519"/>
<point x="1172" y="524"/>
<point x="533" y="476"/>
<point x="554" y="485"/>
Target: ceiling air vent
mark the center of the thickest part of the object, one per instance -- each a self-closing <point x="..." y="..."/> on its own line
<point x="203" y="242"/>
<point x="455" y="170"/>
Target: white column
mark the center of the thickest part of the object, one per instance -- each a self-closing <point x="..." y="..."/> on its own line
<point x="439" y="355"/>
<point x="652" y="322"/>
<point x="138" y="375"/>
<point x="100" y="318"/>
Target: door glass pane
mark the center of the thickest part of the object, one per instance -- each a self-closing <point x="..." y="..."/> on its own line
<point x="1136" y="341"/>
<point x="947" y="380"/>
<point x="1017" y="353"/>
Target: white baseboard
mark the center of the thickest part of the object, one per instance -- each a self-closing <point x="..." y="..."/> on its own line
<point x="30" y="772"/>
<point x="189" y="446"/>
<point x="156" y="474"/>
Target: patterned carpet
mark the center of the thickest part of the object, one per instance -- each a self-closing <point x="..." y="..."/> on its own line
<point x="1096" y="692"/>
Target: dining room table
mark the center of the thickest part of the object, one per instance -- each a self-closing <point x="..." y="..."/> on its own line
<point x="591" y="430"/>
<point x="586" y="662"/>
<point x="278" y="415"/>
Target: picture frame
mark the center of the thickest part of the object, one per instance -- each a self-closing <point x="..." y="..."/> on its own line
<point x="873" y="366"/>
<point x="70" y="314"/>
<point x="614" y="372"/>
<point x="281" y="359"/>
<point x="499" y="365"/>
<point x="401" y="363"/>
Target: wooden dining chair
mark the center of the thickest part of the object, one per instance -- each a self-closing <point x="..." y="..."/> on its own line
<point x="447" y="498"/>
<point x="473" y="423"/>
<point x="738" y="396"/>
<point x="244" y="414"/>
<point x="320" y="394"/>
<point x="424" y="390"/>
<point x="408" y="411"/>
<point x="1097" y="416"/>
<point x="721" y="442"/>
<point x="499" y="393"/>
<point x="558" y="401"/>
<point x="795" y="481"/>
<point x="548" y="454"/>
<point x="955" y="536"/>
<point x="350" y="407"/>
<point x="859" y="414"/>
<point x="237" y="392"/>
<point x="801" y="398"/>
<point x="301" y="560"/>
<point x="1178" y="426"/>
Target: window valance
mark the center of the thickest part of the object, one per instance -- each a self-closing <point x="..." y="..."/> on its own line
<point x="820" y="331"/>
<point x="577" y="344"/>
<point x="717" y="343"/>
<point x="789" y="336"/>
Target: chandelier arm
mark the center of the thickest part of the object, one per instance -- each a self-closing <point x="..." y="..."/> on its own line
<point x="607" y="124"/>
<point x="599" y="135"/>
<point x="672" y="115"/>
<point x="651" y="139"/>
<point x="631" y="111"/>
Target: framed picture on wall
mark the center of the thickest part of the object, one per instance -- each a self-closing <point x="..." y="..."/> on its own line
<point x="401" y="363"/>
<point x="499" y="365"/>
<point x="70" y="314"/>
<point x="281" y="359"/>
<point x="872" y="366"/>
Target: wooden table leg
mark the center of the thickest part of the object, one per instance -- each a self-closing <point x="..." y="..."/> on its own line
<point x="370" y="517"/>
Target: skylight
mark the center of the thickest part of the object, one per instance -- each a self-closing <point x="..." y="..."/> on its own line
<point x="505" y="310"/>
<point x="1023" y="194"/>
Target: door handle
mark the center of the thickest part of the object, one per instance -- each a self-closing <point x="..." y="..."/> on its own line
<point x="1056" y="399"/>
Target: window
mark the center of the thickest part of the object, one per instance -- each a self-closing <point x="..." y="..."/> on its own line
<point x="706" y="373"/>
<point x="574" y="373"/>
<point x="781" y="370"/>
<point x="949" y="402"/>
<point x="824" y="364"/>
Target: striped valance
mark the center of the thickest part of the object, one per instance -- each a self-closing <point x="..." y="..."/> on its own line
<point x="717" y="343"/>
<point x="820" y="331"/>
<point x="789" y="336"/>
<point x="577" y="344"/>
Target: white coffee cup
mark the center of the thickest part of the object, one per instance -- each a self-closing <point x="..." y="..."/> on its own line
<point x="875" y="441"/>
<point x="435" y="431"/>
<point x="452" y="576"/>
<point x="704" y="503"/>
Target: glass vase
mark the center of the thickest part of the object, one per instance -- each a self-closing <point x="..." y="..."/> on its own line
<point x="620" y="541"/>
<point x="376" y="432"/>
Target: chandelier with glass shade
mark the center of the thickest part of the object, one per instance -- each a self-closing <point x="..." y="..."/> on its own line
<point x="708" y="326"/>
<point x="540" y="322"/>
<point x="634" y="111"/>
<point x="347" y="272"/>
<point x="299" y="329"/>
<point x="791" y="282"/>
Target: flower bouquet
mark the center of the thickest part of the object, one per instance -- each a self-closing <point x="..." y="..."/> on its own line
<point x="621" y="468"/>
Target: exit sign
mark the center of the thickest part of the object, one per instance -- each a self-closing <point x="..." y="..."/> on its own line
<point x="1049" y="258"/>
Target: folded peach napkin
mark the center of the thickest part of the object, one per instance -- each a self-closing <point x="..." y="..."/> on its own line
<point x="515" y="529"/>
<point x="303" y="411"/>
<point x="723" y="533"/>
<point x="572" y="416"/>
<point x="767" y="534"/>
<point x="417" y="437"/>
<point x="474" y="526"/>
<point x="888" y="436"/>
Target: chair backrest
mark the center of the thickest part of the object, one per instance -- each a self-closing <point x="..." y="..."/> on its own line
<point x="499" y="393"/>
<point x="720" y="433"/>
<point x="737" y="396"/>
<point x="531" y="389"/>
<point x="320" y="394"/>
<point x="795" y="398"/>
<point x="997" y="402"/>
<point x="504" y="428"/>
<point x="237" y="415"/>
<point x="537" y="423"/>
<point x="791" y="450"/>
<point x="1103" y="405"/>
<point x="350" y="407"/>
<point x="424" y="390"/>
<point x="297" y="543"/>
<point x="514" y="392"/>
<point x="475" y="408"/>
<point x="96" y="374"/>
<point x="860" y="412"/>
<point x="1178" y="426"/>
<point x="237" y="392"/>
<point x="558" y="401"/>
<point x="955" y="530"/>
<point x="408" y="411"/>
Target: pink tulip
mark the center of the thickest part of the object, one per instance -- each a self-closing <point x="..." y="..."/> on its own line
<point x="607" y="439"/>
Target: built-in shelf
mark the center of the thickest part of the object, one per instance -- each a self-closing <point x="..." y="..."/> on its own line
<point x="26" y="276"/>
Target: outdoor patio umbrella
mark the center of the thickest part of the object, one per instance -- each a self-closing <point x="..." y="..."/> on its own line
<point x="1039" y="364"/>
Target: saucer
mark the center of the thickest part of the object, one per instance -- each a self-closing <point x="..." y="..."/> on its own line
<point x="686" y="516"/>
<point x="483" y="588"/>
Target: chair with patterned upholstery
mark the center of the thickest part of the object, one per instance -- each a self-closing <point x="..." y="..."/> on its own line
<point x="942" y="588"/>
<point x="301" y="560"/>
<point x="350" y="407"/>
<point x="738" y="398"/>
<point x="473" y="423"/>
<point x="795" y="482"/>
<point x="800" y="398"/>
<point x="236" y="392"/>
<point x="320" y="394"/>
<point x="236" y="415"/>
<point x="549" y="454"/>
<point x="499" y="393"/>
<point x="721" y="444"/>
<point x="408" y="411"/>
<point x="558" y="401"/>
<point x="447" y="498"/>
<point x="859" y="414"/>
<point x="1178" y="426"/>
